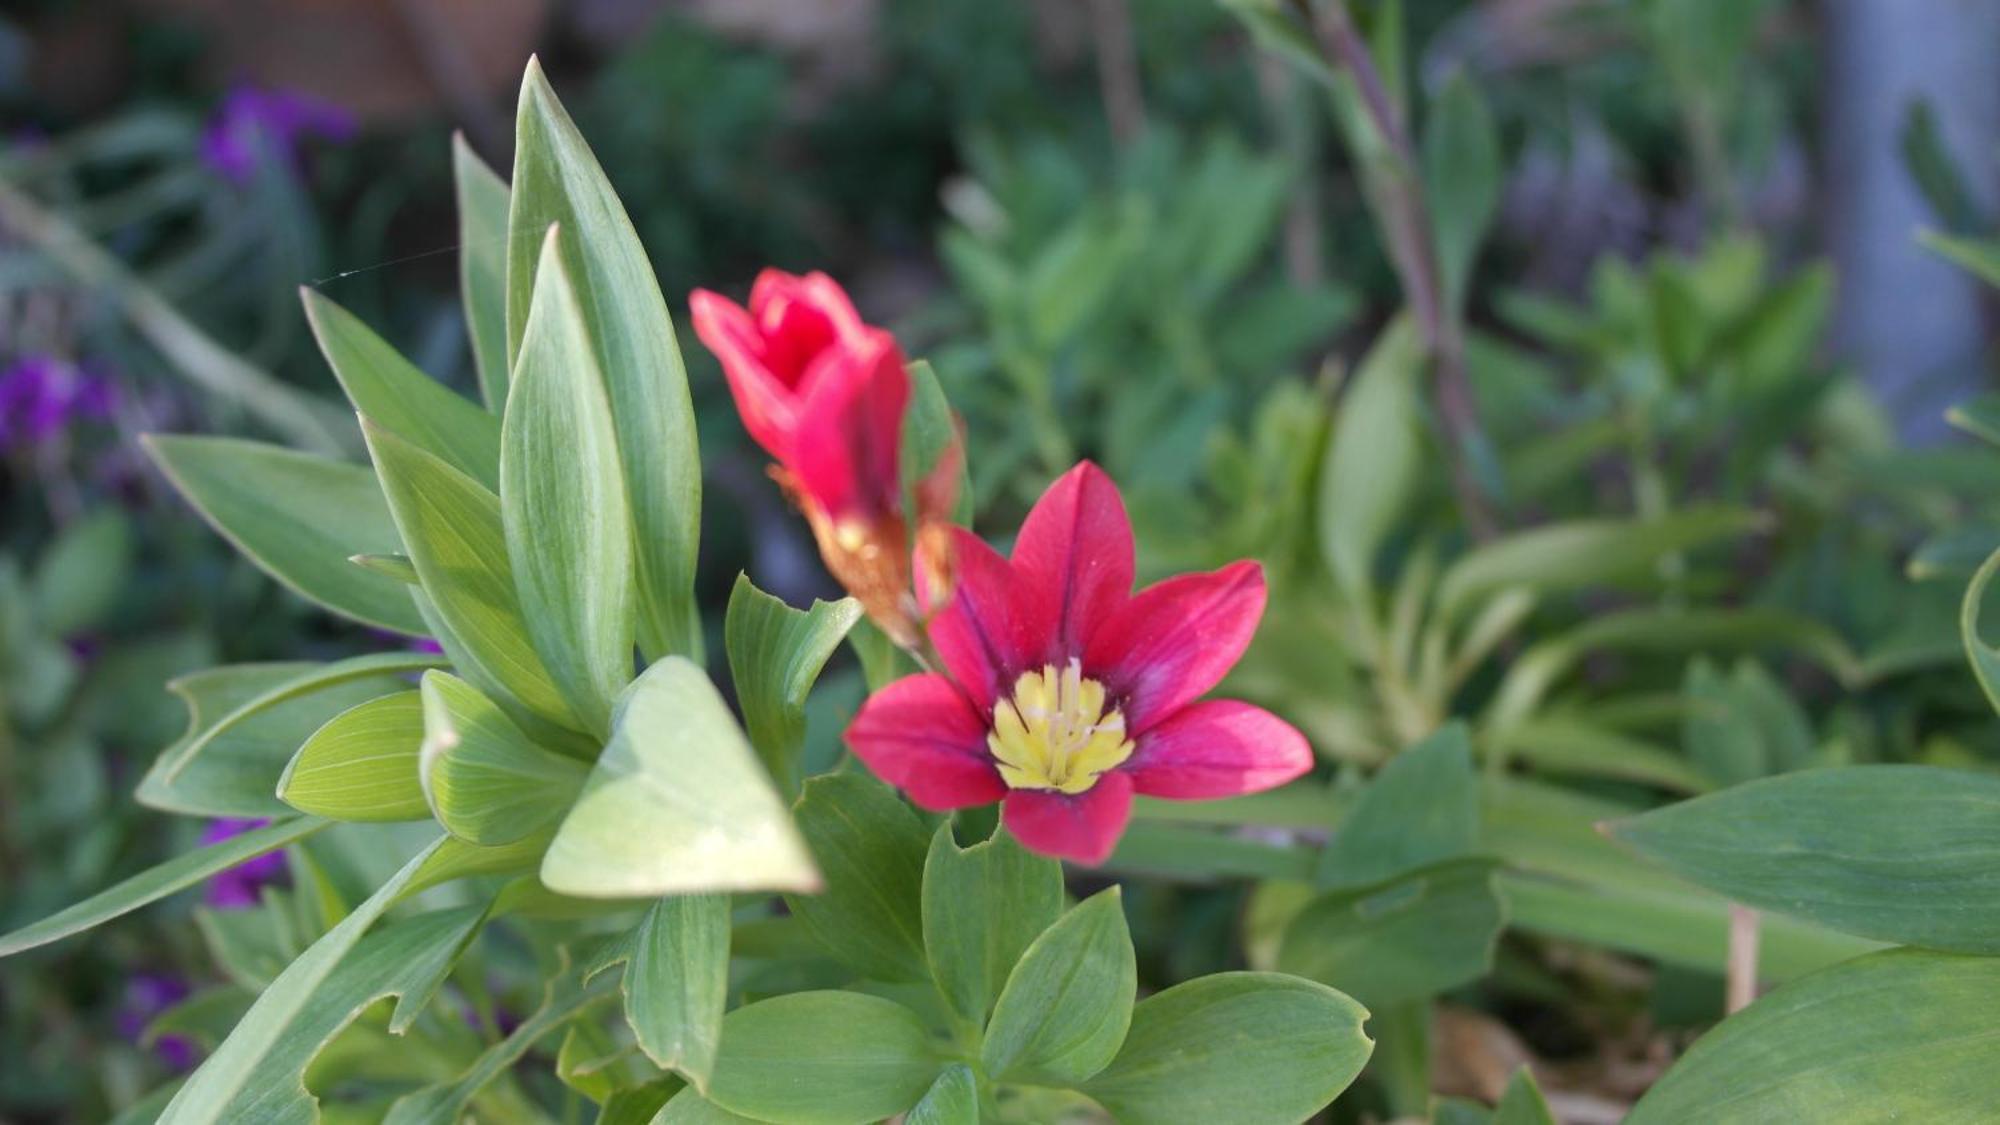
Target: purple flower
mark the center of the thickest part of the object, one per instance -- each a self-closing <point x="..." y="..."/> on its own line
<point x="242" y="885"/>
<point x="42" y="396"/>
<point x="147" y="995"/>
<point x="254" y="123"/>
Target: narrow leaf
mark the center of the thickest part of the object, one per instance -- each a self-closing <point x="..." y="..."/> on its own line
<point x="482" y="266"/>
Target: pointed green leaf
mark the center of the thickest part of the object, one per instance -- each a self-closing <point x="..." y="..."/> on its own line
<point x="677" y="803"/>
<point x="1402" y="940"/>
<point x="298" y="517"/>
<point x="870" y="847"/>
<point x="1372" y="458"/>
<point x="689" y="1108"/>
<point x="930" y="431"/>
<point x="482" y="266"/>
<point x="557" y="181"/>
<point x="775" y="654"/>
<point x="822" y="1058"/>
<point x="562" y="502"/>
<point x="156" y="883"/>
<point x="952" y="1100"/>
<point x="362" y="765"/>
<point x="982" y="906"/>
<point x="456" y="859"/>
<point x="486" y="783"/>
<point x="1522" y="1102"/>
<point x="1462" y="177"/>
<point x="1064" y="1011"/>
<point x="1902" y="853"/>
<point x="1902" y="1035"/>
<point x="1421" y="808"/>
<point x="1585" y="552"/>
<point x="386" y="387"/>
<point x="1248" y="1048"/>
<point x="677" y="984"/>
<point x="452" y="528"/>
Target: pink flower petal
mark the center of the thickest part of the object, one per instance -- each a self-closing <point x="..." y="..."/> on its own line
<point x="920" y="735"/>
<point x="1176" y="639"/>
<point x="1221" y="748"/>
<point x="981" y="634"/>
<point x="768" y="407"/>
<point x="1084" y="828"/>
<point x="845" y="451"/>
<point x="1074" y="558"/>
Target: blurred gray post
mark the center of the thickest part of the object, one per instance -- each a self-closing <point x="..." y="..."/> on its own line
<point x="1909" y="319"/>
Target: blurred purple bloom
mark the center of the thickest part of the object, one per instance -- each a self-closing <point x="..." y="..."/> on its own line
<point x="242" y="885"/>
<point x="42" y="396"/>
<point x="147" y="995"/>
<point x="251" y="121"/>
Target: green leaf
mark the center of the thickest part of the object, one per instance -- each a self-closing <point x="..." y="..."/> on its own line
<point x="1985" y="659"/>
<point x="482" y="266"/>
<point x="562" y="502"/>
<point x="242" y="1063"/>
<point x="676" y="803"/>
<point x="689" y="1108"/>
<point x="1064" y="1011"/>
<point x="453" y="530"/>
<point x="398" y="567"/>
<point x="1978" y="416"/>
<point x="557" y="181"/>
<point x="1977" y="256"/>
<point x="952" y="1100"/>
<point x="982" y="906"/>
<point x="1247" y="1048"/>
<point x="677" y="983"/>
<point x="822" y="1058"/>
<point x="1559" y="745"/>
<point x="775" y="655"/>
<point x="362" y="765"/>
<point x="78" y="579"/>
<point x="155" y="883"/>
<point x="1522" y="1102"/>
<point x="930" y="431"/>
<point x="456" y="859"/>
<point x="1583" y="553"/>
<point x="245" y="721"/>
<point x="1372" y="460"/>
<point x="386" y="387"/>
<point x="1423" y="807"/>
<point x="1462" y="174"/>
<point x="1402" y="940"/>
<point x="1902" y="1035"/>
<point x="1901" y="853"/>
<point x="870" y="847"/>
<point x="483" y="779"/>
<point x="298" y="517"/>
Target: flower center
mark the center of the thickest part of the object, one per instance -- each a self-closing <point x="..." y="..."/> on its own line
<point x="1054" y="733"/>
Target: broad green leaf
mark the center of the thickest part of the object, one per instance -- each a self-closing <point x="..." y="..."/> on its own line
<point x="1902" y="1035"/>
<point x="79" y="578"/>
<point x="1402" y="940"/>
<point x="1522" y="1102"/>
<point x="451" y="525"/>
<point x="155" y="883"/>
<point x="297" y="516"/>
<point x="1373" y="458"/>
<point x="822" y="1058"/>
<point x="870" y="848"/>
<point x="952" y="1100"/>
<point x="243" y="1064"/>
<point x="1247" y="1048"/>
<point x="384" y="386"/>
<point x="1423" y="807"/>
<point x="562" y="502"/>
<point x="677" y="983"/>
<point x="1583" y="553"/>
<point x="1901" y="853"/>
<point x="775" y="655"/>
<point x="1064" y="1011"/>
<point x="245" y="721"/>
<point x="483" y="779"/>
<point x="451" y="1101"/>
<point x="362" y="765"/>
<point x="482" y="266"/>
<point x="982" y="906"/>
<point x="677" y="803"/>
<point x="557" y="181"/>
<point x="1462" y="174"/>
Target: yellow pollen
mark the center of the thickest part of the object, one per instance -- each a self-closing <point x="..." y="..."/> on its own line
<point x="1054" y="732"/>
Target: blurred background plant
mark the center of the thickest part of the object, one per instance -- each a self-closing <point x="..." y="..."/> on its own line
<point x="1683" y="546"/>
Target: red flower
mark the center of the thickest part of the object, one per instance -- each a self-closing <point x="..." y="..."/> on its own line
<point x="824" y="394"/>
<point x="1068" y="693"/>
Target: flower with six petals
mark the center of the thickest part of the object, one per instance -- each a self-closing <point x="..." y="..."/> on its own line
<point x="1068" y="693"/>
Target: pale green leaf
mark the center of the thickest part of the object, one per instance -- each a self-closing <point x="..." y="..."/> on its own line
<point x="822" y="1058"/>
<point x="952" y="1100"/>
<point x="677" y="983"/>
<point x="483" y="779"/>
<point x="775" y="655"/>
<point x="482" y="266"/>
<point x="1064" y="1011"/>
<point x="362" y="765"/>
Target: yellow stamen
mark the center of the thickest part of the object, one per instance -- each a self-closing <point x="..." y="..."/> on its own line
<point x="1054" y="732"/>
